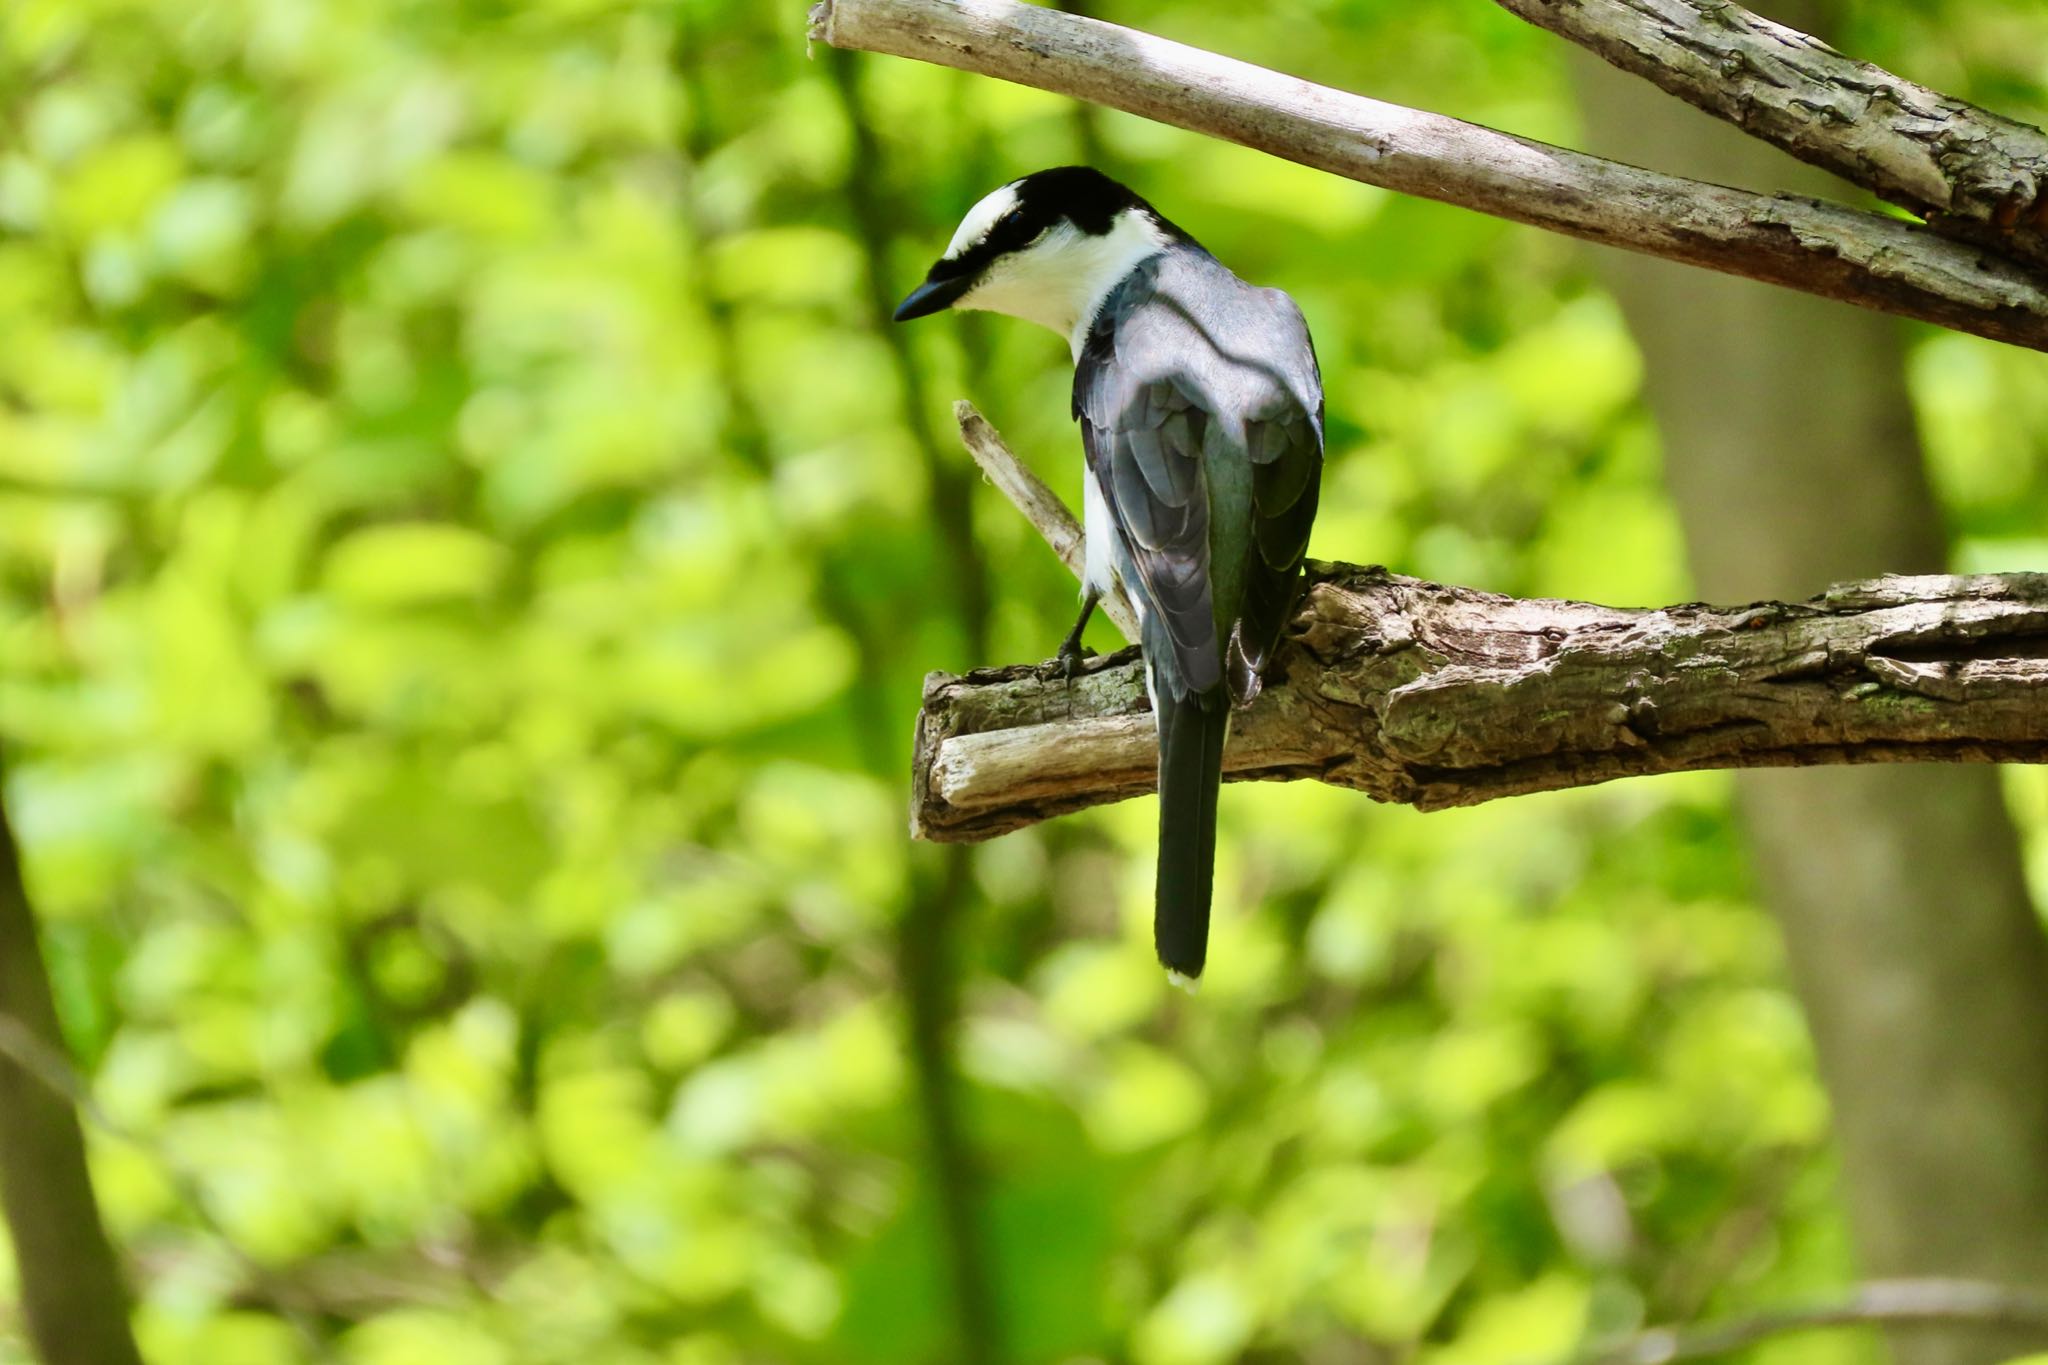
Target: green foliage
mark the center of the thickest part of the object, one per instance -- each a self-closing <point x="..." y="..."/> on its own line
<point x="468" y="553"/>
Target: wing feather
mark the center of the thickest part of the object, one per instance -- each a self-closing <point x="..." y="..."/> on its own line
<point x="1160" y="387"/>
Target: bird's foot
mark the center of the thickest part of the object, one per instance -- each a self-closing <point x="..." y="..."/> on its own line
<point x="1072" y="654"/>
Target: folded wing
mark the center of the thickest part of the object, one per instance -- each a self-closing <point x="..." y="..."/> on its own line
<point x="1201" y="412"/>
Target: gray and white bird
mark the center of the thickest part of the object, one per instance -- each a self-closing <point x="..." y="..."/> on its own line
<point x="1201" y="411"/>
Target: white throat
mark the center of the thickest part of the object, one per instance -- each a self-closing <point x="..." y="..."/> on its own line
<point x="1061" y="280"/>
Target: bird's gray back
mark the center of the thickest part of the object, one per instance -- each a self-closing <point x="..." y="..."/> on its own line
<point x="1241" y="352"/>
<point x="1201" y="409"/>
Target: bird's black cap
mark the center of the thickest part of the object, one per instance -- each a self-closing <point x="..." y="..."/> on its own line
<point x="1080" y="195"/>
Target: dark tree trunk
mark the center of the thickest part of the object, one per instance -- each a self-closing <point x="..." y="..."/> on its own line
<point x="1912" y="940"/>
<point x="71" y="1289"/>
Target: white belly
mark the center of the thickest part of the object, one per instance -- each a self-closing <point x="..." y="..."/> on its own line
<point x="1097" y="572"/>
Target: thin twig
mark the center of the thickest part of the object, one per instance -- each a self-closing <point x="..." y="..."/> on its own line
<point x="1826" y="249"/>
<point x="1040" y="506"/>
<point x="1930" y="1302"/>
<point x="50" y="1069"/>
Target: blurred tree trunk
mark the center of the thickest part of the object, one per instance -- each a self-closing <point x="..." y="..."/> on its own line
<point x="1912" y="941"/>
<point x="71" y="1291"/>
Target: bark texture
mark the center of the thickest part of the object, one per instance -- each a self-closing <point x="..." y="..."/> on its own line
<point x="1917" y="955"/>
<point x="71" y="1291"/>
<point x="1439" y="696"/>
<point x="1971" y="172"/>
<point x="1839" y="253"/>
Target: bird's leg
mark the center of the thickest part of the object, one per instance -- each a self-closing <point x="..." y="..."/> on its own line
<point x="1071" y="653"/>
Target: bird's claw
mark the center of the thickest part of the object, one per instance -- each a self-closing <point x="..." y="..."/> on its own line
<point x="1073" y="656"/>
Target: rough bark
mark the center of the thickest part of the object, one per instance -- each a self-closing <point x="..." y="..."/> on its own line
<point x="71" y="1291"/>
<point x="1971" y="172"/>
<point x="1917" y="955"/>
<point x="1839" y="253"/>
<point x="1439" y="696"/>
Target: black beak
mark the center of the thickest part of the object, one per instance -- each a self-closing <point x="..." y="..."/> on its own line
<point x="931" y="297"/>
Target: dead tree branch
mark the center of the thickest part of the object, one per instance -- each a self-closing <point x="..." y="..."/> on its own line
<point x="1438" y="696"/>
<point x="1826" y="249"/>
<point x="1970" y="172"/>
<point x="1039" y="504"/>
<point x="1880" y="1303"/>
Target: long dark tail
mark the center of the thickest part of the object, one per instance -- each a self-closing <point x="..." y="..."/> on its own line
<point x="1191" y="731"/>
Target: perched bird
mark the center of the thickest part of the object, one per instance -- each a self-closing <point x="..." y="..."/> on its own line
<point x="1201" y="412"/>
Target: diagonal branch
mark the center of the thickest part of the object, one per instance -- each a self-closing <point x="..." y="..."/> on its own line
<point x="1972" y="173"/>
<point x="1438" y="696"/>
<point x="1826" y="249"/>
<point x="1879" y="1303"/>
<point x="1039" y="504"/>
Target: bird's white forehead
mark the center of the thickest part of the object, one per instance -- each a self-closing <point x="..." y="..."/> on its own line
<point x="981" y="218"/>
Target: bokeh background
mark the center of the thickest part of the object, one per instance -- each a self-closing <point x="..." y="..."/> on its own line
<point x="470" y="542"/>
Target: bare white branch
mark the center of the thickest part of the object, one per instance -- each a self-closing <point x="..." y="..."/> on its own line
<point x="1971" y="172"/>
<point x="1879" y="1303"/>
<point x="1826" y="249"/>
